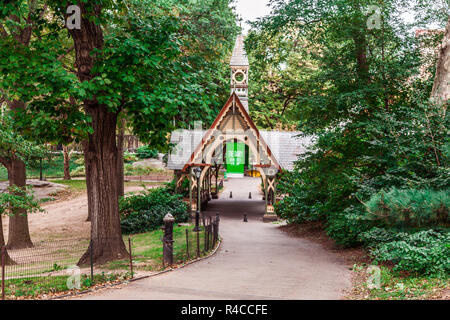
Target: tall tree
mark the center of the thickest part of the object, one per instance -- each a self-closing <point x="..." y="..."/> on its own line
<point x="441" y="87"/>
<point x="17" y="25"/>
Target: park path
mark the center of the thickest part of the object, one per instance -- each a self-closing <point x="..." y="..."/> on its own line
<point x="256" y="261"/>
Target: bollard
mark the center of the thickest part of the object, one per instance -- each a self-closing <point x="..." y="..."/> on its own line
<point x="249" y="195"/>
<point x="168" y="239"/>
<point x="245" y="217"/>
<point x="231" y="194"/>
<point x="3" y="260"/>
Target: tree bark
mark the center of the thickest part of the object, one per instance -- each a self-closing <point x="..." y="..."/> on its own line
<point x="19" y="233"/>
<point x="441" y="87"/>
<point x="100" y="152"/>
<point x="66" y="163"/>
<point x="120" y="163"/>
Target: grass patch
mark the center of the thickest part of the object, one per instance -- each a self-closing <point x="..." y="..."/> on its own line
<point x="74" y="185"/>
<point x="147" y="249"/>
<point x="395" y="286"/>
<point x="37" y="286"/>
<point x="53" y="168"/>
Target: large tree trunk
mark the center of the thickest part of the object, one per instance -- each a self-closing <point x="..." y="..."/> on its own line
<point x="100" y="152"/>
<point x="441" y="88"/>
<point x="120" y="163"/>
<point x="19" y="233"/>
<point x="66" y="163"/>
<point x="101" y="157"/>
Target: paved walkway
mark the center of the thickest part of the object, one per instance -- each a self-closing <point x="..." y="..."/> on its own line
<point x="256" y="261"/>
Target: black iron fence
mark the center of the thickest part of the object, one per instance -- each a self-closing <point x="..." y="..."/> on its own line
<point x="51" y="268"/>
<point x="199" y="243"/>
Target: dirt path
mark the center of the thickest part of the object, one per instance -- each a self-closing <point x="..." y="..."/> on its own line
<point x="61" y="219"/>
<point x="256" y="261"/>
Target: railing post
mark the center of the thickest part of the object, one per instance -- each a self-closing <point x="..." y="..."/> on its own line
<point x="187" y="244"/>
<point x="168" y="239"/>
<point x="131" y="257"/>
<point x="198" y="243"/>
<point x="3" y="270"/>
<point x="91" y="250"/>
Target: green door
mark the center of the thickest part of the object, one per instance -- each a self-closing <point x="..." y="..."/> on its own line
<point x="235" y="158"/>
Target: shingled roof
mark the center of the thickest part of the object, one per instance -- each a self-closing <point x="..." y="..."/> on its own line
<point x="285" y="145"/>
<point x="239" y="57"/>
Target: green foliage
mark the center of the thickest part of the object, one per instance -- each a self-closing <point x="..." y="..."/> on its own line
<point x="18" y="199"/>
<point x="345" y="227"/>
<point x="13" y="144"/>
<point x="425" y="252"/>
<point x="363" y="95"/>
<point x="410" y="208"/>
<point x="184" y="190"/>
<point x="133" y="170"/>
<point x="145" y="212"/>
<point x="146" y="152"/>
<point x="129" y="157"/>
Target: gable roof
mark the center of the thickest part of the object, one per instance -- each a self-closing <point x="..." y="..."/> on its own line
<point x="282" y="147"/>
<point x="233" y="101"/>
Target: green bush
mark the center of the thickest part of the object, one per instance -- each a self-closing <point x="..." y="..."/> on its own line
<point x="410" y="208"/>
<point x="146" y="153"/>
<point x="184" y="190"/>
<point x="129" y="157"/>
<point x="346" y="227"/>
<point x="133" y="170"/>
<point x="145" y="212"/>
<point x="423" y="253"/>
<point x="377" y="236"/>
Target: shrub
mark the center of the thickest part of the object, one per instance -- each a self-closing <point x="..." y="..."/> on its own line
<point x="145" y="212"/>
<point x="79" y="171"/>
<point x="410" y="208"/>
<point x="131" y="170"/>
<point x="346" y="227"/>
<point x="184" y="190"/>
<point x="146" y="153"/>
<point x="377" y="236"/>
<point x="129" y="157"/>
<point x="423" y="253"/>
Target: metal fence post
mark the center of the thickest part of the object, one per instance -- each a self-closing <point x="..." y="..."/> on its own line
<point x="198" y="243"/>
<point x="3" y="271"/>
<point x="131" y="257"/>
<point x="205" y="239"/>
<point x="91" y="249"/>
<point x="168" y="239"/>
<point x="217" y="226"/>
<point x="187" y="244"/>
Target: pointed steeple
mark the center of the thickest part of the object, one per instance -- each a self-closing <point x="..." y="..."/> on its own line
<point x="239" y="71"/>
